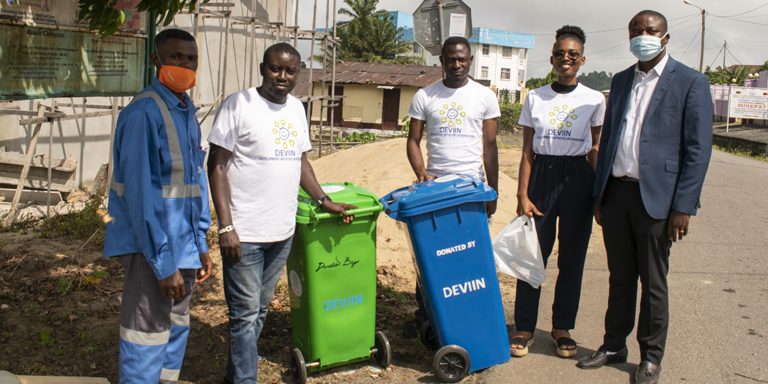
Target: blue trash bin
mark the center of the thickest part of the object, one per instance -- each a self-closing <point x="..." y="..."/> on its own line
<point x="447" y="222"/>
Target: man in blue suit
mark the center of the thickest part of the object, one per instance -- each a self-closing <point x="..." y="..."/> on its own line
<point x="654" y="152"/>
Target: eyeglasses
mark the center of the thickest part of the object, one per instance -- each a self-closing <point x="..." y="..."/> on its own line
<point x="572" y="54"/>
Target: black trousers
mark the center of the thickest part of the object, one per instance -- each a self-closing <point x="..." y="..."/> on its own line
<point x="637" y="246"/>
<point x="561" y="188"/>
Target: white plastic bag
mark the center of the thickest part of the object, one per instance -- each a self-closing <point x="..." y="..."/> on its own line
<point x="517" y="252"/>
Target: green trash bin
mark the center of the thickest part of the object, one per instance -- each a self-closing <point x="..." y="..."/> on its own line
<point x="332" y="284"/>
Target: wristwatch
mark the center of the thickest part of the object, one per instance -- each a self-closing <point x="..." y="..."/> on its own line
<point x="322" y="199"/>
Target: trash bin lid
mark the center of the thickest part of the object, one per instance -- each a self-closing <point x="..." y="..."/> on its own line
<point x="308" y="211"/>
<point x="428" y="196"/>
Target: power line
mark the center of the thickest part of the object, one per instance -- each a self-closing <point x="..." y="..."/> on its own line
<point x="743" y="13"/>
<point x="745" y="21"/>
<point x="624" y="44"/>
<point x="718" y="55"/>
<point x="690" y="44"/>
<point x="618" y="29"/>
<point x="755" y="16"/>
<point x="734" y="57"/>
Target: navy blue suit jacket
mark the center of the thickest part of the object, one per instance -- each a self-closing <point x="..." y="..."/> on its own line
<point x="675" y="140"/>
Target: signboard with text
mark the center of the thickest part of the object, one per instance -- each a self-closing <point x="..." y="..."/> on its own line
<point x="39" y="62"/>
<point x="748" y="103"/>
<point x="436" y="20"/>
<point x="64" y="13"/>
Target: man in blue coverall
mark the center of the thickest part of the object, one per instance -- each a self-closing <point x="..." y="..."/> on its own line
<point x="158" y="202"/>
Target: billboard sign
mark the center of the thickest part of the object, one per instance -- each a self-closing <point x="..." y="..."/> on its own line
<point x="436" y="20"/>
<point x="46" y="52"/>
<point x="748" y="103"/>
<point x="63" y="13"/>
<point x="44" y="62"/>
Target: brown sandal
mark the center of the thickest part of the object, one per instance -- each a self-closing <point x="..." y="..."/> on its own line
<point x="566" y="347"/>
<point x="518" y="346"/>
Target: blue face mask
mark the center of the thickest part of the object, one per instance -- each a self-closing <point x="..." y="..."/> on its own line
<point x="646" y="47"/>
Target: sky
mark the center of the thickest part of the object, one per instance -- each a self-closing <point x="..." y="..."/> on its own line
<point x="742" y="23"/>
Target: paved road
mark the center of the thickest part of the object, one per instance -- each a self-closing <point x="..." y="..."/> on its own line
<point x="718" y="295"/>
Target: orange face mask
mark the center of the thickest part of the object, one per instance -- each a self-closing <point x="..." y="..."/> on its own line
<point x="178" y="79"/>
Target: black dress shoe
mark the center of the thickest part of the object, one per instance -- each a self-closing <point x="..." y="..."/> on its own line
<point x="647" y="373"/>
<point x="601" y="357"/>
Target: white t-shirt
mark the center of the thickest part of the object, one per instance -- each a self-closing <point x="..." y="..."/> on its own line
<point x="454" y="126"/>
<point x="267" y="141"/>
<point x="562" y="121"/>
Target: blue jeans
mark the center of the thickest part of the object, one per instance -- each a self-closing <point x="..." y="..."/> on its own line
<point x="248" y="288"/>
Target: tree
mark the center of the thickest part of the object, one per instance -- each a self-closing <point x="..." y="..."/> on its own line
<point x="596" y="80"/>
<point x="737" y="75"/>
<point x="370" y="36"/>
<point x="536" y="82"/>
<point x="102" y="16"/>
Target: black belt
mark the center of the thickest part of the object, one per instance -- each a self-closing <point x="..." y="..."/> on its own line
<point x="625" y="179"/>
<point x="539" y="157"/>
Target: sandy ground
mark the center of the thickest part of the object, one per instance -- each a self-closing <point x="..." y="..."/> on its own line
<point x="383" y="167"/>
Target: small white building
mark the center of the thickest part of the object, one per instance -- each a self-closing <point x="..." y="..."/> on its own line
<point x="501" y="58"/>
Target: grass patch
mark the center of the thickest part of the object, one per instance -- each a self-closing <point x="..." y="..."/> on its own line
<point x="741" y="152"/>
<point x="77" y="226"/>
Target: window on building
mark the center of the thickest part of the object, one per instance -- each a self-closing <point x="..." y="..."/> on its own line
<point x="521" y="54"/>
<point x="486" y="49"/>
<point x="416" y="48"/>
<point x="506" y="73"/>
<point x="506" y="52"/>
<point x="483" y="72"/>
<point x="520" y="76"/>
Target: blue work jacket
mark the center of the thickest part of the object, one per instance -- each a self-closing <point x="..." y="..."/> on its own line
<point x="158" y="198"/>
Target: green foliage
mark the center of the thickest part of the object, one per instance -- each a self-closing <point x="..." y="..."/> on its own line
<point x="595" y="80"/>
<point x="720" y="75"/>
<point x="598" y="81"/>
<point x="764" y="67"/>
<point x="102" y="16"/>
<point x="370" y="36"/>
<point x="504" y="97"/>
<point x="76" y="226"/>
<point x="406" y="123"/>
<point x="360" y="137"/>
<point x="536" y="82"/>
<point x="64" y="285"/>
<point x="510" y="113"/>
<point x="44" y="338"/>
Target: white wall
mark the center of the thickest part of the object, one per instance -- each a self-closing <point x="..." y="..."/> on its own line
<point x="495" y="61"/>
<point x="88" y="141"/>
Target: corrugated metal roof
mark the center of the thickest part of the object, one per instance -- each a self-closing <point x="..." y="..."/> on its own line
<point x="372" y="73"/>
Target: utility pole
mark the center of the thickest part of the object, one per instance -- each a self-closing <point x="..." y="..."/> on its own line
<point x="703" y="20"/>
<point x="725" y="50"/>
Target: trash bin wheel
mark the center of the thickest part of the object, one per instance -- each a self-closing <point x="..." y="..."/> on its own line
<point x="428" y="337"/>
<point x="451" y="363"/>
<point x="383" y="353"/>
<point x="298" y="367"/>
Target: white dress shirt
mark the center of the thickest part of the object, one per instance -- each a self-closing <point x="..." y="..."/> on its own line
<point x="627" y="160"/>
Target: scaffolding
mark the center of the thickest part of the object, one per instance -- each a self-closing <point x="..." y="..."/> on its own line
<point x="57" y="111"/>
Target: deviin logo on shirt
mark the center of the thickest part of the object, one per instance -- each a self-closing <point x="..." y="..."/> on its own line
<point x="285" y="138"/>
<point x="562" y="116"/>
<point x="452" y="114"/>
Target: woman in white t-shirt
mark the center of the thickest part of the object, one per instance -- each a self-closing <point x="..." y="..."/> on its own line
<point x="561" y="129"/>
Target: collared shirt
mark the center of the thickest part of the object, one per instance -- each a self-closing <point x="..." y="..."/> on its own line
<point x="158" y="199"/>
<point x="627" y="160"/>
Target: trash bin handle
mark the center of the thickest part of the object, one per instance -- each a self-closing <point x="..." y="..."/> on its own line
<point x="352" y="212"/>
